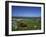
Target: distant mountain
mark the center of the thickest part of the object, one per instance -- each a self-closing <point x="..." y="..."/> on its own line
<point x="27" y="17"/>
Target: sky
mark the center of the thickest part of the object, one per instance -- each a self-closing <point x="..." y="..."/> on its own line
<point x="24" y="11"/>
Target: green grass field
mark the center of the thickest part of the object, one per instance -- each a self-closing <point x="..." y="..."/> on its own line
<point x="20" y="24"/>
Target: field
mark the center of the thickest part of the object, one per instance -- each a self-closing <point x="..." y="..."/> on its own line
<point x="26" y="23"/>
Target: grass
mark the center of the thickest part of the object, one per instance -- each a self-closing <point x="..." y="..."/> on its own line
<point x="26" y="24"/>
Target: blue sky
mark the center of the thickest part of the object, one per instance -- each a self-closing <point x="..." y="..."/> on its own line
<point x="24" y="11"/>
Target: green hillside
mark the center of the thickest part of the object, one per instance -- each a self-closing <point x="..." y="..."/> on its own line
<point x="32" y="23"/>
